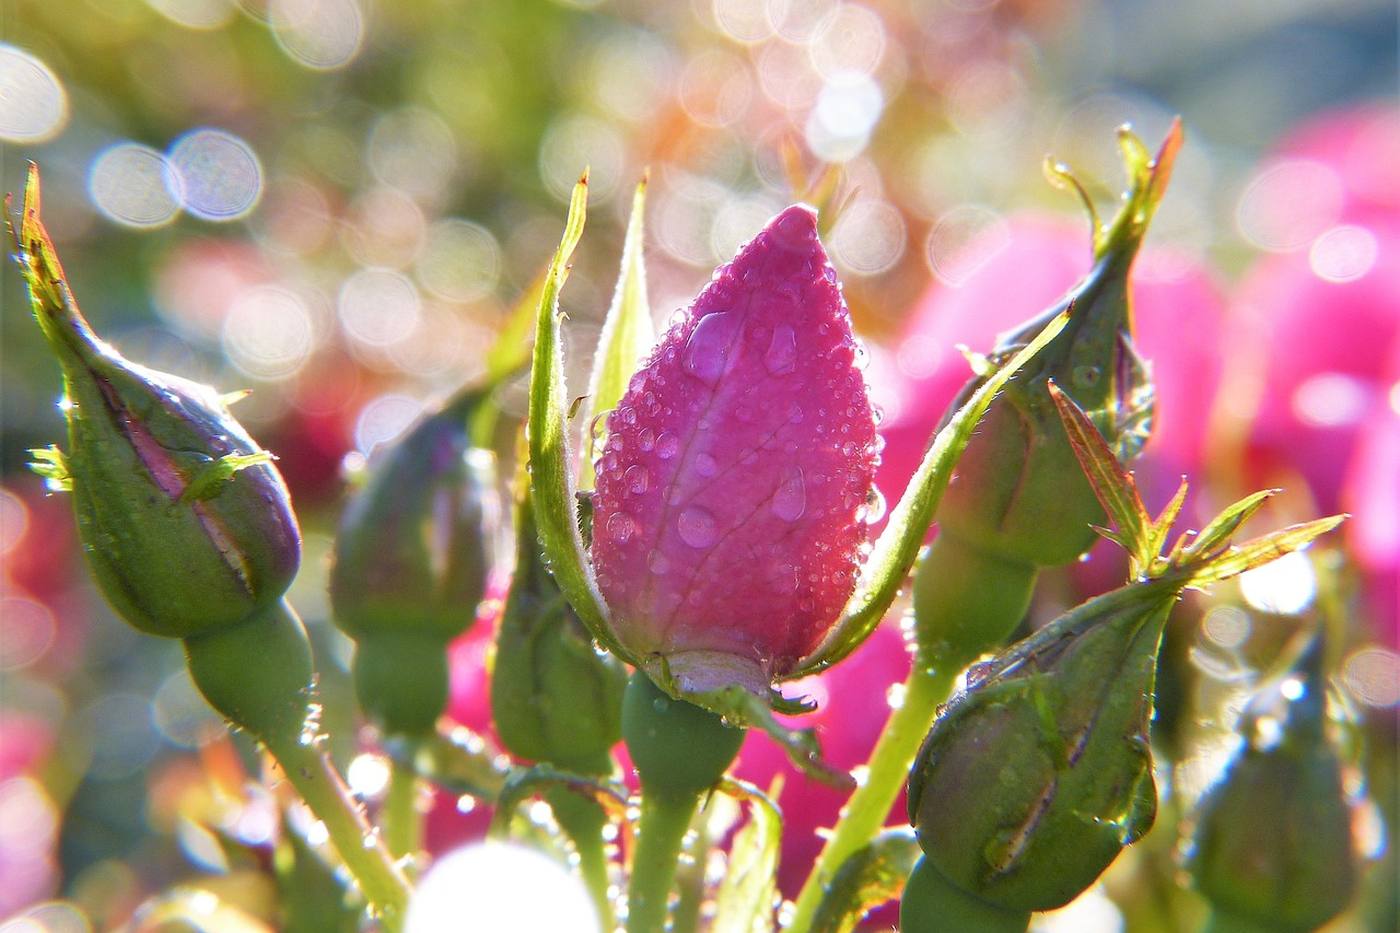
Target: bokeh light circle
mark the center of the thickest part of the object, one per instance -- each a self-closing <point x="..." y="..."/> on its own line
<point x="33" y="104"/>
<point x="869" y="237"/>
<point x="131" y="185"/>
<point x="461" y="260"/>
<point x="196" y="14"/>
<point x="379" y="307"/>
<point x="318" y="34"/>
<point x="963" y="240"/>
<point x="216" y="174"/>
<point x="502" y="886"/>
<point x="268" y="332"/>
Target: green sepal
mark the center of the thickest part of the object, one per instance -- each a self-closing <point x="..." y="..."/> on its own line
<point x="679" y="748"/>
<point x="871" y="876"/>
<point x="551" y="467"/>
<point x="206" y="483"/>
<point x="744" y="902"/>
<point x="898" y="546"/>
<point x="524" y="783"/>
<point x="50" y="463"/>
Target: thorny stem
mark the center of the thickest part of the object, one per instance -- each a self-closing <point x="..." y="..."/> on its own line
<point x="665" y="821"/>
<point x="310" y="772"/>
<point x="402" y="818"/>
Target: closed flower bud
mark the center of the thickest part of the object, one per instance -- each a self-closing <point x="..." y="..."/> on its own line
<point x="1035" y="777"/>
<point x="185" y="521"/>
<point x="411" y="561"/>
<point x="553" y="697"/>
<point x="1273" y="848"/>
<point x="729" y="514"/>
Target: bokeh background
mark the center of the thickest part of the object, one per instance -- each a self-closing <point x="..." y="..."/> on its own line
<point x="336" y="202"/>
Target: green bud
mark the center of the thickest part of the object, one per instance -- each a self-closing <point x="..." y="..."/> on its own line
<point x="411" y="561"/>
<point x="1035" y="777"/>
<point x="678" y="749"/>
<point x="1019" y="492"/>
<point x="1273" y="846"/>
<point x="186" y="523"/>
<point x="554" y="698"/>
<point x="932" y="904"/>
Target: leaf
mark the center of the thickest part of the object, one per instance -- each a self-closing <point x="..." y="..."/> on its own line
<point x="896" y="550"/>
<point x="50" y="463"/>
<point x="747" y="894"/>
<point x="551" y="470"/>
<point x="1257" y="552"/>
<point x="513" y="345"/>
<point x="525" y="783"/>
<point x="628" y="333"/>
<point x="1218" y="531"/>
<point x="1113" y="485"/>
<point x="1162" y="525"/>
<point x="872" y="875"/>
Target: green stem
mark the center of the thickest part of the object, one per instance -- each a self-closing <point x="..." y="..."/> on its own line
<point x="584" y="821"/>
<point x="1220" y="921"/>
<point x="402" y="817"/>
<point x="315" y="779"/>
<point x="665" y="821"/>
<point x="690" y="877"/>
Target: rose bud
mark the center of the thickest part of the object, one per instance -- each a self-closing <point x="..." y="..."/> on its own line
<point x="729" y="510"/>
<point x="553" y="697"/>
<point x="185" y="521"/>
<point x="1273" y="847"/>
<point x="1035" y="777"/>
<point x="411" y="561"/>
<point x="1019" y="500"/>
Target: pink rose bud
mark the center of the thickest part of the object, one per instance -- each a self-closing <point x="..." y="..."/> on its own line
<point x="731" y="497"/>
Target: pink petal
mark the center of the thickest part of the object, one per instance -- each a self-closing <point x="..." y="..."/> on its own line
<point x="727" y="517"/>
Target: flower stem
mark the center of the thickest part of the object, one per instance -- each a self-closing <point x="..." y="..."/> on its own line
<point x="402" y="818"/>
<point x="584" y="821"/>
<point x="315" y="779"/>
<point x="927" y="686"/>
<point x="665" y="820"/>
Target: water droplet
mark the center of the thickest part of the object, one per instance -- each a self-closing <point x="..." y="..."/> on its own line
<point x="705" y="465"/>
<point x="860" y="356"/>
<point x="637" y="478"/>
<point x="657" y="562"/>
<point x="790" y="499"/>
<point x="621" y="527"/>
<point x="874" y="508"/>
<point x="667" y="445"/>
<point x="697" y="527"/>
<point x="707" y="352"/>
<point x="829" y="273"/>
<point x="782" y="350"/>
<point x="646" y="440"/>
<point x="795" y="414"/>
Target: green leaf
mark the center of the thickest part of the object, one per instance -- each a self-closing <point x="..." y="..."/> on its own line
<point x="871" y="876"/>
<point x="1162" y="525"/>
<point x="50" y="463"/>
<point x="207" y="482"/>
<point x="551" y="472"/>
<point x="513" y="345"/>
<point x="1258" y="551"/>
<point x="1113" y="485"/>
<point x="748" y="892"/>
<point x="628" y="333"/>
<point x="1218" y="531"/>
<point x="525" y="783"/>
<point x="898" y="547"/>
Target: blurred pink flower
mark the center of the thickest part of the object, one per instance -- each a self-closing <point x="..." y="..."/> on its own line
<point x="728" y="512"/>
<point x="1026" y="265"/>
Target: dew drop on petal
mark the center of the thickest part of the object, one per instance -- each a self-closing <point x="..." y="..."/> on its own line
<point x="782" y="351"/>
<point x="637" y="478"/>
<point x="646" y="440"/>
<point x="707" y="352"/>
<point x="790" y="499"/>
<point x="657" y="562"/>
<point x="705" y="465"/>
<point x="667" y="445"/>
<point x="622" y="527"/>
<point x="697" y="527"/>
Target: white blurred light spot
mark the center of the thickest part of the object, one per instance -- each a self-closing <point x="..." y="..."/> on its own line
<point x="384" y="419"/>
<point x="852" y="38"/>
<point x="1227" y="626"/>
<point x="1372" y="675"/>
<point x="963" y="240"/>
<point x="848" y="107"/>
<point x="1329" y="400"/>
<point x="1091" y="912"/>
<point x="500" y="886"/>
<point x="743" y="20"/>
<point x="1343" y="254"/>
<point x="379" y="307"/>
<point x="33" y="104"/>
<point x="129" y="184"/>
<point x="317" y="834"/>
<point x="869" y="237"/>
<point x="737" y="221"/>
<point x="461" y="260"/>
<point x="195" y="14"/>
<point x="1292" y="688"/>
<point x="413" y="149"/>
<point x="216" y="174"/>
<point x="14" y="520"/>
<point x="368" y="775"/>
<point x="716" y="88"/>
<point x="268" y="332"/>
<point x="919" y="356"/>
<point x="319" y="34"/>
<point x="1285" y="586"/>
<point x="29" y="631"/>
<point x="799" y="20"/>
<point x="1288" y="204"/>
<point x="576" y="141"/>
